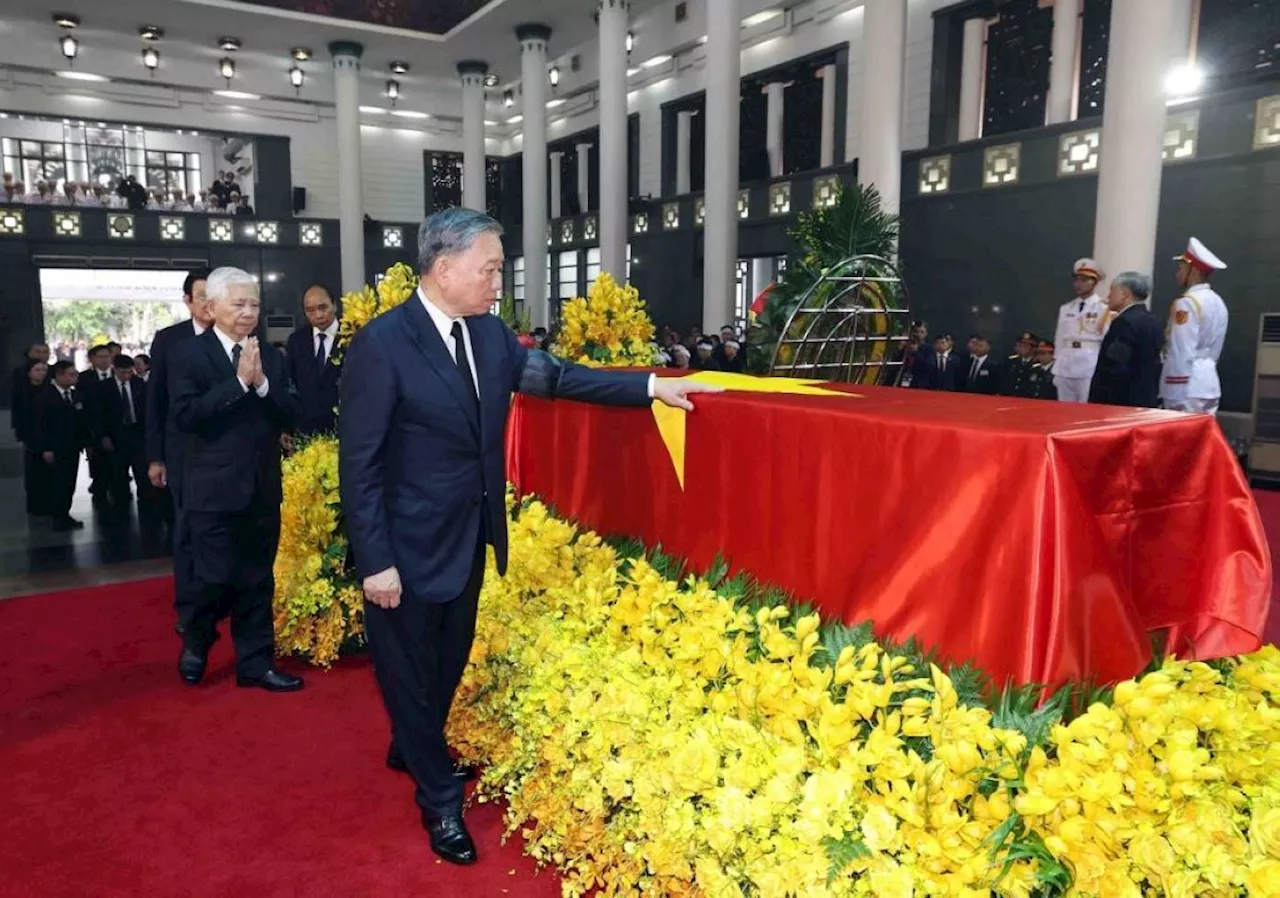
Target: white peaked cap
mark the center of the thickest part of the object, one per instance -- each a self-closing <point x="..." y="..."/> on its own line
<point x="1198" y="254"/>
<point x="1088" y="268"/>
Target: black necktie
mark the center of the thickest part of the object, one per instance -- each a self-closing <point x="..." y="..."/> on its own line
<point x="321" y="355"/>
<point x="235" y="358"/>
<point x="128" y="406"/>
<point x="973" y="371"/>
<point x="942" y="362"/>
<point x="66" y="395"/>
<point x="464" y="364"/>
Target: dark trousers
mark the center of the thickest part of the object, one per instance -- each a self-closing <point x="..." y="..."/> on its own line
<point x="127" y="456"/>
<point x="420" y="650"/>
<point x="37" y="482"/>
<point x="62" y="480"/>
<point x="233" y="554"/>
<point x="99" y="472"/>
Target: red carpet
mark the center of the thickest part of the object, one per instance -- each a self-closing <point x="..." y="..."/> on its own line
<point x="119" y="780"/>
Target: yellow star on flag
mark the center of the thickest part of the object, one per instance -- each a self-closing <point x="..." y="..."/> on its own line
<point x="671" y="421"/>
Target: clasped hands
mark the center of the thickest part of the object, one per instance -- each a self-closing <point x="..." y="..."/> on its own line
<point x="250" y="368"/>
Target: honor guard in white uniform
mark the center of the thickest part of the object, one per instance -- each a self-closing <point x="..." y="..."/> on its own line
<point x="1194" y="335"/>
<point x="1082" y="323"/>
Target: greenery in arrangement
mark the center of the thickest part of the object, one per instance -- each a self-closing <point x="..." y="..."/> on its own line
<point x="856" y="225"/>
<point x="516" y="320"/>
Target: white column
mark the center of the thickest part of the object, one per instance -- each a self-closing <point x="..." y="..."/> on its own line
<point x="1062" y="64"/>
<point x="1133" y="122"/>
<point x="473" y="162"/>
<point x="346" y="95"/>
<point x="761" y="275"/>
<point x="584" y="176"/>
<point x="774" y="92"/>
<point x="684" y="130"/>
<point x="884" y="34"/>
<point x="1180" y="38"/>
<point x="533" y="83"/>
<point x="720" y="243"/>
<point x="827" y="151"/>
<point x="556" y="158"/>
<point x="975" y="38"/>
<point x="613" y="136"/>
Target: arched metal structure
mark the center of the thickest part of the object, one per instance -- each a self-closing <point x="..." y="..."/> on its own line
<point x="847" y="326"/>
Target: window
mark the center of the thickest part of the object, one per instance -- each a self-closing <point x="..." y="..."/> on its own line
<point x="173" y="171"/>
<point x="567" y="263"/>
<point x="628" y="263"/>
<point x="593" y="265"/>
<point x="743" y="298"/>
<point x="35" y="160"/>
<point x="517" y="279"/>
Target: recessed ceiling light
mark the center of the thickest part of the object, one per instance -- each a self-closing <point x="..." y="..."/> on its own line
<point x="633" y="71"/>
<point x="409" y="113"/>
<point x="150" y="32"/>
<point x="237" y="95"/>
<point x="761" y="17"/>
<point x="556" y="103"/>
<point x="229" y="44"/>
<point x="656" y="60"/>
<point x="490" y="124"/>
<point x="81" y="76"/>
<point x="399" y="68"/>
<point x="491" y="80"/>
<point x="515" y="120"/>
<point x="66" y="20"/>
<point x="301" y="54"/>
<point x="373" y="110"/>
<point x="703" y="39"/>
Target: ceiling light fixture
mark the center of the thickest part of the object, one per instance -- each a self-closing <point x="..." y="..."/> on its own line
<point x="227" y="68"/>
<point x="301" y="54"/>
<point x="296" y="78"/>
<point x="631" y="40"/>
<point x="515" y="120"/>
<point x="229" y="44"/>
<point x="508" y="98"/>
<point x="633" y="71"/>
<point x="761" y="17"/>
<point x="400" y="68"/>
<point x="373" y="110"/>
<point x="409" y="113"/>
<point x="658" y="60"/>
<point x="237" y="95"/>
<point x="151" y="59"/>
<point x="70" y="48"/>
<point x="1183" y="81"/>
<point x="556" y="103"/>
<point x="150" y="32"/>
<point x="66" y="20"/>
<point x="491" y="80"/>
<point x="81" y="76"/>
<point x="553" y="75"/>
<point x="393" y="90"/>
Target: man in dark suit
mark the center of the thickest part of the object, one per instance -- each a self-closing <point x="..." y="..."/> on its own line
<point x="231" y="401"/>
<point x="981" y="372"/>
<point x="164" y="442"/>
<point x="19" y="383"/>
<point x="425" y="396"/>
<point x="59" y="436"/>
<point x="946" y="369"/>
<point x="98" y="372"/>
<point x="308" y="354"/>
<point x="117" y="424"/>
<point x="1128" y="371"/>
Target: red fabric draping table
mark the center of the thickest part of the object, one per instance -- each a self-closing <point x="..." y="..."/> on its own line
<point x="1043" y="540"/>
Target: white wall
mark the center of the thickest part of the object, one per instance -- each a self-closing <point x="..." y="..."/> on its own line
<point x="391" y="154"/>
<point x="810" y="27"/>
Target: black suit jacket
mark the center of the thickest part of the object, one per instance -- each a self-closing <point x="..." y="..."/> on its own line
<point x="108" y="417"/>
<point x="164" y="443"/>
<point x="988" y="379"/>
<point x="317" y="387"/>
<point x="57" y="427"/>
<point x="422" y="469"/>
<point x="1128" y="371"/>
<point x="232" y="435"/>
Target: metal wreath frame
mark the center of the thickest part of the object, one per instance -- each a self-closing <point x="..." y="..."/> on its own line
<point x="847" y="325"/>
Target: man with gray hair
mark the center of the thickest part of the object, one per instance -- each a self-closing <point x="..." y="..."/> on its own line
<point x="1128" y="371"/>
<point x="231" y="400"/>
<point x="426" y="389"/>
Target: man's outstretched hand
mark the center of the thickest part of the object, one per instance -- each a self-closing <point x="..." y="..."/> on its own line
<point x="675" y="391"/>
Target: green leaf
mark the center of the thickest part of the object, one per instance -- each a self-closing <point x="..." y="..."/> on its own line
<point x="842" y="852"/>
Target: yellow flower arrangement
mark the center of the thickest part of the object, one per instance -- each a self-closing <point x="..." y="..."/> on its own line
<point x="358" y="309"/>
<point x="610" y="328"/>
<point x="655" y="737"/>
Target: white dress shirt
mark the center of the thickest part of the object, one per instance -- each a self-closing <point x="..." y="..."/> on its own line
<point x="329" y="333"/>
<point x="227" y="344"/>
<point x="444" y="324"/>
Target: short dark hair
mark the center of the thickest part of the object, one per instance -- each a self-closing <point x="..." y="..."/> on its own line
<point x="101" y="347"/>
<point x="59" y="367"/>
<point x="123" y="361"/>
<point x="195" y="274"/>
<point x="111" y="343"/>
<point x="142" y="357"/>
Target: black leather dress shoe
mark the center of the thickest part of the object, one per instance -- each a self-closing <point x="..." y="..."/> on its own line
<point x="272" y="681"/>
<point x="464" y="772"/>
<point x="450" y="839"/>
<point x="191" y="666"/>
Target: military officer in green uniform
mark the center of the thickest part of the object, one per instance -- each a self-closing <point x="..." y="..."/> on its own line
<point x="1018" y="367"/>
<point x="1042" y="383"/>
